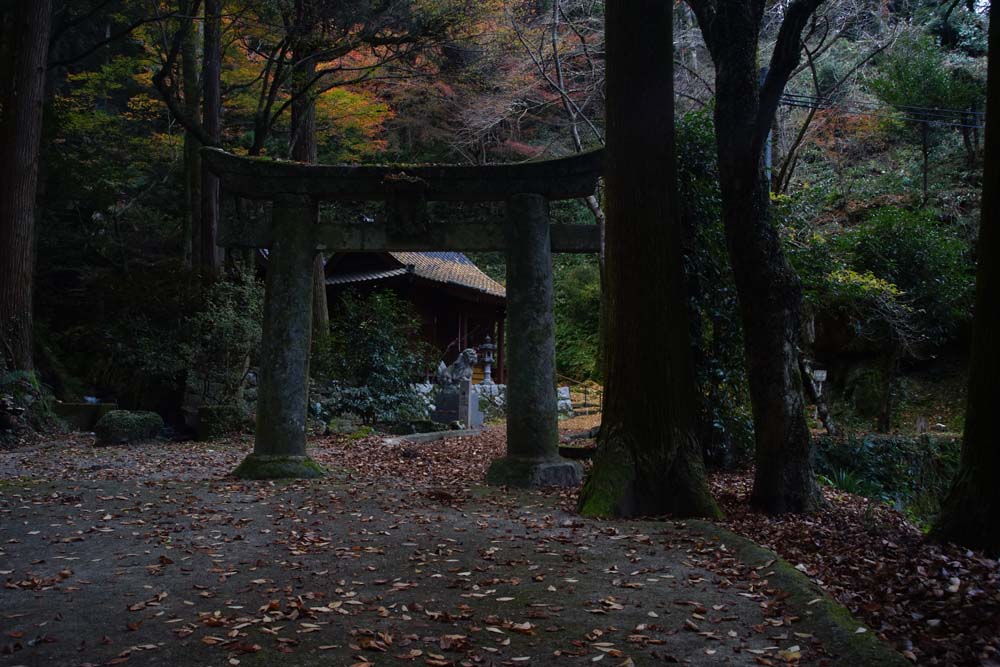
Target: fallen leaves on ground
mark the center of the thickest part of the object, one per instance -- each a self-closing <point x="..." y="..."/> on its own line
<point x="937" y="604"/>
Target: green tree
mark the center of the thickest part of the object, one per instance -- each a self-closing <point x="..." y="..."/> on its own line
<point x="915" y="79"/>
<point x="372" y="358"/>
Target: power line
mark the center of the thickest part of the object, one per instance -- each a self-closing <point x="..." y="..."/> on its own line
<point x="910" y="113"/>
<point x="923" y="109"/>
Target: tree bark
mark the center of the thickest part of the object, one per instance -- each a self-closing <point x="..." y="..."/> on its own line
<point x="971" y="513"/>
<point x="648" y="459"/>
<point x="27" y="37"/>
<point x="769" y="291"/>
<point x="211" y="254"/>
<point x="191" y="237"/>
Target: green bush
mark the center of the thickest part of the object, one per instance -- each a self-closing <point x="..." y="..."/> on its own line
<point x="218" y="420"/>
<point x="845" y="480"/>
<point x="138" y="357"/>
<point x="224" y="336"/>
<point x="372" y="358"/>
<point x="925" y="259"/>
<point x="899" y="279"/>
<point x="912" y="473"/>
<point x="125" y="426"/>
<point x="578" y="317"/>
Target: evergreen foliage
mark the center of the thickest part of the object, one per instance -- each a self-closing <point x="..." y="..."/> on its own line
<point x="223" y="337"/>
<point x="913" y="474"/>
<point x="372" y="359"/>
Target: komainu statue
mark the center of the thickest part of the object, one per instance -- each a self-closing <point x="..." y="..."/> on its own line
<point x="458" y="371"/>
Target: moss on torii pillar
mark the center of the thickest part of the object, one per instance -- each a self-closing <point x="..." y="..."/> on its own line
<point x="280" y="444"/>
<point x="532" y="427"/>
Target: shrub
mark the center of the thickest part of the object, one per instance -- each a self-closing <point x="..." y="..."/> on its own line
<point x="912" y="473"/>
<point x="218" y="420"/>
<point x="900" y="278"/>
<point x="873" y="306"/>
<point x="139" y="356"/>
<point x="926" y="260"/>
<point x="846" y="480"/>
<point x="224" y="335"/>
<point x="577" y="317"/>
<point x="372" y="359"/>
<point x="124" y="426"/>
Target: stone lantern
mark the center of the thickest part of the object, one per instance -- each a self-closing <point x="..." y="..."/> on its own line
<point x="486" y="351"/>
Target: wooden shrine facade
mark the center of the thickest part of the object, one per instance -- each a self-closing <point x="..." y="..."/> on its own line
<point x="458" y="305"/>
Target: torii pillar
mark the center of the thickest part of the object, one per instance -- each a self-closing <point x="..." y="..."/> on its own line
<point x="294" y="237"/>
<point x="532" y="420"/>
<point x="279" y="448"/>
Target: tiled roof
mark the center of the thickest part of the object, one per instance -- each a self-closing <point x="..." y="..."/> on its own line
<point x="362" y="276"/>
<point x="452" y="268"/>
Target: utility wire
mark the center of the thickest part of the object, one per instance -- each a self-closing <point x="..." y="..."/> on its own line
<point x="913" y="114"/>
<point x="831" y="101"/>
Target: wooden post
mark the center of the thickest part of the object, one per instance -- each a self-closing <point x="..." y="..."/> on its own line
<point x="501" y="358"/>
<point x="280" y="442"/>
<point x="532" y="429"/>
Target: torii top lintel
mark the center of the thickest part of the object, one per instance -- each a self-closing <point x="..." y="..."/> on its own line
<point x="262" y="178"/>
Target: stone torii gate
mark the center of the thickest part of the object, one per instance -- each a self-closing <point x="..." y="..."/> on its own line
<point x="294" y="236"/>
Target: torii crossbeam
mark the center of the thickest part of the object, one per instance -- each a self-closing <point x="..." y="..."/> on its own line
<point x="294" y="236"/>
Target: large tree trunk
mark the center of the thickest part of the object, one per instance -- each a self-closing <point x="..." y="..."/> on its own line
<point x="771" y="313"/>
<point x="971" y="513"/>
<point x="211" y="254"/>
<point x="191" y="237"/>
<point x="769" y="291"/>
<point x="648" y="459"/>
<point x="26" y="35"/>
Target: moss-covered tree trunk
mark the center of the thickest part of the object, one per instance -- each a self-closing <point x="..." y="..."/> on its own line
<point x="769" y="291"/>
<point x="971" y="513"/>
<point x="648" y="459"/>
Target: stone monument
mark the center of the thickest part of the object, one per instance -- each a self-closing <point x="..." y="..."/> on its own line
<point x="454" y="399"/>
